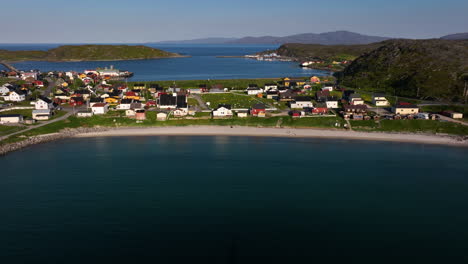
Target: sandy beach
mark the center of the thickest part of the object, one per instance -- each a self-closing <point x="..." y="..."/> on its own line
<point x="278" y="132"/>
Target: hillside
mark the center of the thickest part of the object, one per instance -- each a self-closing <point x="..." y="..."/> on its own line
<point x="325" y="52"/>
<point x="414" y="68"/>
<point x="328" y="38"/>
<point x="458" y="36"/>
<point x="88" y="53"/>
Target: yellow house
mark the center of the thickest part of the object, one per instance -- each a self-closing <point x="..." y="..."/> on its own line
<point x="289" y="80"/>
<point x="139" y="86"/>
<point x="111" y="100"/>
<point x="82" y="76"/>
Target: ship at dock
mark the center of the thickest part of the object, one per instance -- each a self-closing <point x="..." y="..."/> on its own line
<point x="110" y="73"/>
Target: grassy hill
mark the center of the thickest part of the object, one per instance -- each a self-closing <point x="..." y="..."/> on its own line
<point x="413" y="68"/>
<point x="88" y="53"/>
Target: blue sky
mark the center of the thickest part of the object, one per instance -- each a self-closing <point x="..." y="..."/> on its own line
<point x="134" y="21"/>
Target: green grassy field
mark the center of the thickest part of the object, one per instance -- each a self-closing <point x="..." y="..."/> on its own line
<point x="228" y="83"/>
<point x="235" y="100"/>
<point x="192" y="102"/>
<point x="5" y="130"/>
<point x="428" y="126"/>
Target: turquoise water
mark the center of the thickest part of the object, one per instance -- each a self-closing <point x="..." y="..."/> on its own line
<point x="202" y="65"/>
<point x="233" y="200"/>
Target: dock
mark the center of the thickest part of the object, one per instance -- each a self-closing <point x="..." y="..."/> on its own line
<point x="9" y="66"/>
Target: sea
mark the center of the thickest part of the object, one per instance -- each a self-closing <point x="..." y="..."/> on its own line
<point x="228" y="199"/>
<point x="203" y="64"/>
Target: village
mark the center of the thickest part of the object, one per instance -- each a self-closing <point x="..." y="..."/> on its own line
<point x="33" y="97"/>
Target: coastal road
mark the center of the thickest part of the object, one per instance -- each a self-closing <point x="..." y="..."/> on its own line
<point x="70" y="112"/>
<point x="49" y="88"/>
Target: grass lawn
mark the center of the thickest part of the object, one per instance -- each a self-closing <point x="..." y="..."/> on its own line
<point x="441" y="108"/>
<point x="23" y="112"/>
<point x="235" y="100"/>
<point x="229" y="83"/>
<point x="192" y="102"/>
<point x="5" y="130"/>
<point x="430" y="126"/>
<point x="322" y="122"/>
<point x="363" y="124"/>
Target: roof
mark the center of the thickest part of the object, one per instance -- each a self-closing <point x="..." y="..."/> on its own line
<point x="167" y="99"/>
<point x="126" y="101"/>
<point x="253" y="88"/>
<point x="11" y="115"/>
<point x="181" y="101"/>
<point x="406" y="106"/>
<point x="99" y="105"/>
<point x="96" y="100"/>
<point x="259" y="106"/>
<point x="271" y="84"/>
<point x="228" y="106"/>
<point x="355" y="96"/>
<point x="41" y="111"/>
<point x="332" y="98"/>
<point x="45" y="99"/>
<point x="362" y="107"/>
<point x="303" y="98"/>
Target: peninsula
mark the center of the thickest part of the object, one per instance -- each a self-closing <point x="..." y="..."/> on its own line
<point x="88" y="53"/>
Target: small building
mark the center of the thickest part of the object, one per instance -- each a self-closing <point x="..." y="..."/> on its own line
<point x="271" y="87"/>
<point x="452" y="114"/>
<point x="11" y="119"/>
<point x="43" y="103"/>
<point x="258" y="110"/>
<point x="167" y="101"/>
<point x="380" y="100"/>
<point x="332" y="102"/>
<point x="301" y="102"/>
<point x="293" y="81"/>
<point x="180" y="112"/>
<point x="295" y="113"/>
<point x="272" y="94"/>
<point x="161" y="116"/>
<point x="223" y="110"/>
<point x="100" y="108"/>
<point x="242" y="113"/>
<point x="405" y="109"/>
<point x="349" y="109"/>
<point x="76" y="101"/>
<point x="253" y="89"/>
<point x="16" y="96"/>
<point x="287" y="96"/>
<point x="140" y="114"/>
<point x="84" y="113"/>
<point x="356" y="99"/>
<point x="328" y="88"/>
<point x="41" y="114"/>
<point x="130" y="113"/>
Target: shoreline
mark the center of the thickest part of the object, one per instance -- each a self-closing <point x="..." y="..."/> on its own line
<point x="84" y="60"/>
<point x="279" y="132"/>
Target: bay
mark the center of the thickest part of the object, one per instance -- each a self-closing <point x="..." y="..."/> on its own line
<point x="203" y="64"/>
<point x="223" y="199"/>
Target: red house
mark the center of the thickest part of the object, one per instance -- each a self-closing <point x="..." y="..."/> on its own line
<point x="38" y="83"/>
<point x="76" y="101"/>
<point x="151" y="103"/>
<point x="258" y="110"/>
<point x="320" y="109"/>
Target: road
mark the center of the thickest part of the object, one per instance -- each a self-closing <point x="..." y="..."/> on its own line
<point x="49" y="88"/>
<point x="448" y="119"/>
<point x="69" y="110"/>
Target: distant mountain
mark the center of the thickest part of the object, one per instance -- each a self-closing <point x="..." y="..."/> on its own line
<point x="328" y="38"/>
<point x="458" y="36"/>
<point x="198" y="41"/>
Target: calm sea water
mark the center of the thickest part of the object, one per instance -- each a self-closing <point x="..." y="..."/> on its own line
<point x="233" y="200"/>
<point x="203" y="64"/>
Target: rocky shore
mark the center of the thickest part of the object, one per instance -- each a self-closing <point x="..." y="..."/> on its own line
<point x="65" y="133"/>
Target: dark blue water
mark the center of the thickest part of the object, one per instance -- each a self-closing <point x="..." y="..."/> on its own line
<point x="203" y="64"/>
<point x="233" y="200"/>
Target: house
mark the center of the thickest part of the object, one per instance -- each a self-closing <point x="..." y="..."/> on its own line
<point x="295" y="113"/>
<point x="82" y="92"/>
<point x="196" y="91"/>
<point x="39" y="84"/>
<point x="43" y="103"/>
<point x="111" y="100"/>
<point x="287" y="96"/>
<point x="347" y="94"/>
<point x="11" y="119"/>
<point x="253" y="89"/>
<point x="181" y="102"/>
<point x="41" y="114"/>
<point x="6" y="89"/>
<point x="301" y="102"/>
<point x="132" y="95"/>
<point x="355" y="99"/>
<point x="16" y="96"/>
<point x="321" y="96"/>
<point x="161" y="116"/>
<point x="452" y="114"/>
<point x="84" y="113"/>
<point x="167" y="101"/>
<point x="332" y="102"/>
<point x="140" y="114"/>
<point x="154" y="87"/>
<point x="271" y="87"/>
<point x="128" y="104"/>
<point x="242" y="113"/>
<point x="26" y="75"/>
<point x="328" y="88"/>
<point x="222" y="111"/>
<point x="95" y="100"/>
<point x="293" y="81"/>
<point x="77" y="100"/>
<point x="151" y="103"/>
<point x="315" y="80"/>
<point x="380" y="100"/>
<point x="180" y="112"/>
<point x="405" y="109"/>
<point x="100" y="108"/>
<point x="350" y="109"/>
<point x="258" y="110"/>
<point x="272" y="95"/>
<point x="139" y="86"/>
<point x="320" y="108"/>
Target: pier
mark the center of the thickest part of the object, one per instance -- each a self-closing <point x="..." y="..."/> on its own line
<point x="9" y="66"/>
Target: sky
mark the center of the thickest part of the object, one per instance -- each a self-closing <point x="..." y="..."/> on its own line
<point x="140" y="21"/>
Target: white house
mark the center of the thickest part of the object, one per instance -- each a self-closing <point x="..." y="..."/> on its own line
<point x="222" y="111"/>
<point x="41" y="114"/>
<point x="243" y="113"/>
<point x="179" y="112"/>
<point x="332" y="103"/>
<point x="43" y="103"/>
<point x="355" y="99"/>
<point x="254" y="90"/>
<point x="271" y="87"/>
<point x="11" y="119"/>
<point x="85" y="113"/>
<point x="327" y="88"/>
<point x="380" y="100"/>
<point x="16" y="96"/>
<point x="5" y="89"/>
<point x="100" y="108"/>
<point x="301" y="102"/>
<point x="161" y="117"/>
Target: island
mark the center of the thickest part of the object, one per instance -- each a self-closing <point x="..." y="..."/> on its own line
<point x="88" y="53"/>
